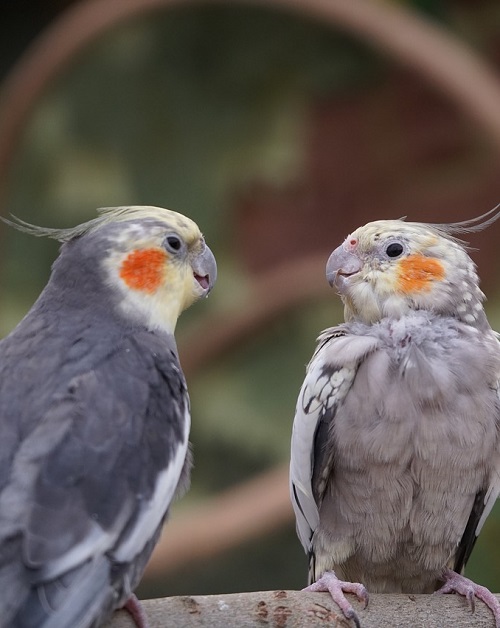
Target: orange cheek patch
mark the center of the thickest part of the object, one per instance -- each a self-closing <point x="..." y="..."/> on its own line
<point x="144" y="270"/>
<point x="416" y="273"/>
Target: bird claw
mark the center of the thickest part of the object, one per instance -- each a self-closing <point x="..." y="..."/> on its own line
<point x="455" y="583"/>
<point x="336" y="588"/>
<point x="135" y="609"/>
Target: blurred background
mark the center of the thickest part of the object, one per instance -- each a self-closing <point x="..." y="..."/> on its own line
<point x="279" y="127"/>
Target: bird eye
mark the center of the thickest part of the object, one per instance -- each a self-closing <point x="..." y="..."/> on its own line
<point x="394" y="249"/>
<point x="173" y="243"/>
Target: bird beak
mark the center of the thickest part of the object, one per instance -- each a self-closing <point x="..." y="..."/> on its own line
<point x="205" y="270"/>
<point x="342" y="264"/>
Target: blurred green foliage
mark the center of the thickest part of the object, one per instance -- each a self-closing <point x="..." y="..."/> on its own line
<point x="182" y="109"/>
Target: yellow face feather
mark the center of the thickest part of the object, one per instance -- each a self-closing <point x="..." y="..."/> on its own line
<point x="413" y="272"/>
<point x="153" y="260"/>
<point x="391" y="267"/>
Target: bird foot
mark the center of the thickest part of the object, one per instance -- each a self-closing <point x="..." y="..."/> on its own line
<point x="134" y="607"/>
<point x="336" y="588"/>
<point x="455" y="583"/>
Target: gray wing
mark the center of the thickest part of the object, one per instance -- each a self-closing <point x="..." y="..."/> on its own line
<point x="483" y="504"/>
<point x="90" y="485"/>
<point x="328" y="380"/>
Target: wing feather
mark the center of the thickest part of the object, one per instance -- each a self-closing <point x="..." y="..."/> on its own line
<point x="97" y="474"/>
<point x="328" y="380"/>
<point x="483" y="504"/>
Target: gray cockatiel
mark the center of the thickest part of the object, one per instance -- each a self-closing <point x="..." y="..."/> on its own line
<point x="395" y="458"/>
<point x="94" y="417"/>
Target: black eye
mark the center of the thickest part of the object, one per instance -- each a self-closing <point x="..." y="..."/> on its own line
<point x="173" y="243"/>
<point x="394" y="249"/>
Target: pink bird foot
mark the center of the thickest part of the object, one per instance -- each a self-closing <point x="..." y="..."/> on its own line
<point x="336" y="588"/>
<point x="455" y="583"/>
<point x="134" y="607"/>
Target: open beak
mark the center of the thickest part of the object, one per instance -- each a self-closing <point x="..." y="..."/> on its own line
<point x="340" y="265"/>
<point x="205" y="270"/>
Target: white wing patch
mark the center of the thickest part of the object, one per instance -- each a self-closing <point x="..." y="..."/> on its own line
<point x="153" y="512"/>
<point x="329" y="377"/>
<point x="494" y="488"/>
<point x="490" y="498"/>
<point x="98" y="541"/>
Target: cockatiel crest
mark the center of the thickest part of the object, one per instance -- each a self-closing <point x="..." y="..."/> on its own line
<point x="153" y="258"/>
<point x="395" y="459"/>
<point x="95" y="417"/>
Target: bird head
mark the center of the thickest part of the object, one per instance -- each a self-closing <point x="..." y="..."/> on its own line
<point x="153" y="261"/>
<point x="391" y="267"/>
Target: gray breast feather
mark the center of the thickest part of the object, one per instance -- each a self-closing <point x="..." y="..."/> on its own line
<point x="395" y="448"/>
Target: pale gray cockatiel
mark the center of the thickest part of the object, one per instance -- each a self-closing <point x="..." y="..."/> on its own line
<point x="395" y="457"/>
<point x="94" y="417"/>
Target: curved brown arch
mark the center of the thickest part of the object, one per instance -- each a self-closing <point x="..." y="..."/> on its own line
<point x="454" y="68"/>
<point x="457" y="71"/>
